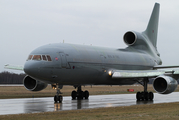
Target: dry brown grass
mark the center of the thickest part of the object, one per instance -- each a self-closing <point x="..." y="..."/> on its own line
<point x="21" y="92"/>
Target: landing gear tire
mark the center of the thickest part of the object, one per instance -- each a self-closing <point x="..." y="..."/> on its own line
<point x="79" y="94"/>
<point x="86" y="94"/>
<point x="144" y="96"/>
<point x="58" y="98"/>
<point x="151" y="96"/>
<point x="55" y="99"/>
<point x="73" y="95"/>
<point x="138" y="96"/>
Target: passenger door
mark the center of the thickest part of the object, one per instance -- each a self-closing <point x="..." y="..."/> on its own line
<point x="63" y="60"/>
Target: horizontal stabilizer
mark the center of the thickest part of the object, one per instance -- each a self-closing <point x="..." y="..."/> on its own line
<point x="14" y="67"/>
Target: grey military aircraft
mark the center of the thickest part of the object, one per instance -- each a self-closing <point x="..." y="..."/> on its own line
<point x="80" y="65"/>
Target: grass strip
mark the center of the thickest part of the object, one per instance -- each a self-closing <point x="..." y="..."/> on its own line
<point x="20" y="92"/>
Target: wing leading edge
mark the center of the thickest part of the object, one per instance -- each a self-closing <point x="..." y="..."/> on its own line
<point x="163" y="67"/>
<point x="14" y="67"/>
<point x="142" y="73"/>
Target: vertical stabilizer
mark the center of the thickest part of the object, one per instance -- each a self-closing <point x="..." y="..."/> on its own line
<point x="152" y="28"/>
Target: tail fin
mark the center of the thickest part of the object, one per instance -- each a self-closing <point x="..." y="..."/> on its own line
<point x="152" y="28"/>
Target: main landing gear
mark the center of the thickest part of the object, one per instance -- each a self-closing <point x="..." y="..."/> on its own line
<point x="57" y="97"/>
<point x="79" y="94"/>
<point x="145" y="95"/>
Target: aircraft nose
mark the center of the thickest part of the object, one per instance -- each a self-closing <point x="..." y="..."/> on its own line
<point x="30" y="68"/>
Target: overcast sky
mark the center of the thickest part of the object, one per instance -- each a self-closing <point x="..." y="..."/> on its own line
<point x="28" y="24"/>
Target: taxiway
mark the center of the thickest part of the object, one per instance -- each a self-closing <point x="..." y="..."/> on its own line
<point x="34" y="105"/>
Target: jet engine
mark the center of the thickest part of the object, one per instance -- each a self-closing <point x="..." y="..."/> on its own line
<point x="133" y="38"/>
<point x="33" y="85"/>
<point x="165" y="84"/>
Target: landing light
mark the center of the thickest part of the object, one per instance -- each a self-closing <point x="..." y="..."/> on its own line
<point x="110" y="73"/>
<point x="54" y="87"/>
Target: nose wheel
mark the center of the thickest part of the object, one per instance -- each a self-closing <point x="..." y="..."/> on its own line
<point x="57" y="97"/>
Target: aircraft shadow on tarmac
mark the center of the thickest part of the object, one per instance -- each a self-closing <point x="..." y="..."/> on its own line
<point x="144" y="102"/>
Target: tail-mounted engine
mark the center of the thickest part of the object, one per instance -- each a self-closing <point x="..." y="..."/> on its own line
<point x="165" y="84"/>
<point x="33" y="85"/>
<point x="134" y="38"/>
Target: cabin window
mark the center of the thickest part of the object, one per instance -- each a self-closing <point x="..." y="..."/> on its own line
<point x="37" y="57"/>
<point x="49" y="58"/>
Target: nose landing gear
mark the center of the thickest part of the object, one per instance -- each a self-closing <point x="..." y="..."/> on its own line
<point x="57" y="97"/>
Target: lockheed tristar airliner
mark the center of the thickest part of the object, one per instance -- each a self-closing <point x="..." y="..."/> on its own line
<point x="81" y="65"/>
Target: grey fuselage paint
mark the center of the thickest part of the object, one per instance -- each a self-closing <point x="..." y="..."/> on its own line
<point x="87" y="65"/>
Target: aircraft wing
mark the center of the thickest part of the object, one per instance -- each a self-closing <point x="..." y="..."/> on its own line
<point x="141" y="73"/>
<point x="163" y="67"/>
<point x="14" y="67"/>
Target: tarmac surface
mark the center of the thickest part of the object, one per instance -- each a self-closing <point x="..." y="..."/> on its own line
<point x="35" y="105"/>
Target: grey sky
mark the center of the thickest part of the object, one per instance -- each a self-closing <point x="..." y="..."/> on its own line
<point x="28" y="24"/>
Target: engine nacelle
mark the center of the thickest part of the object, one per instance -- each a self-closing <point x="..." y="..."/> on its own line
<point x="165" y="84"/>
<point x="33" y="85"/>
<point x="133" y="38"/>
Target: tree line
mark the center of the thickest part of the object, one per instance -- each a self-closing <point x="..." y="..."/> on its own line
<point x="11" y="78"/>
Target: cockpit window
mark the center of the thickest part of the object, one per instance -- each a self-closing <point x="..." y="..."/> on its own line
<point x="37" y="57"/>
<point x="30" y="57"/>
<point x="49" y="58"/>
<point x="44" y="57"/>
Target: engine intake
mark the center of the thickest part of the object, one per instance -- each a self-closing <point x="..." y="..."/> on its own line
<point x="165" y="84"/>
<point x="33" y="85"/>
<point x="129" y="38"/>
<point x="134" y="38"/>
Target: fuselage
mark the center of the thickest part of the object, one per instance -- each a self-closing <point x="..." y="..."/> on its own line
<point x="72" y="64"/>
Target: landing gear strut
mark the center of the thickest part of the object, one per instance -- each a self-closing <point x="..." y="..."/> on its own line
<point x="79" y="94"/>
<point x="57" y="97"/>
<point x="145" y="95"/>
